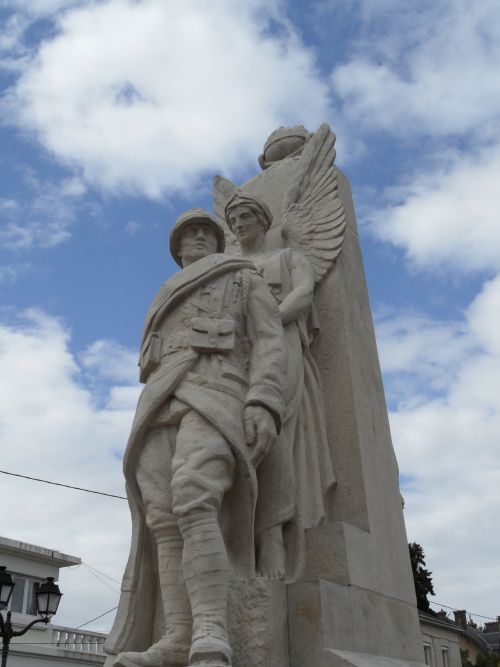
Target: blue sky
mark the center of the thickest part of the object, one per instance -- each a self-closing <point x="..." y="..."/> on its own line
<point x="115" y="115"/>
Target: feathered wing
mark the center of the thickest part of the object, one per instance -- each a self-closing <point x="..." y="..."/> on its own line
<point x="223" y="190"/>
<point x="313" y="215"/>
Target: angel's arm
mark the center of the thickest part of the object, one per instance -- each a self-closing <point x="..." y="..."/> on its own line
<point x="299" y="300"/>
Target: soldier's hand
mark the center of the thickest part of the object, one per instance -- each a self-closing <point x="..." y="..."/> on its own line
<point x="260" y="431"/>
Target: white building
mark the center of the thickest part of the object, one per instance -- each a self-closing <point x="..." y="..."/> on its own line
<point x="44" y="645"/>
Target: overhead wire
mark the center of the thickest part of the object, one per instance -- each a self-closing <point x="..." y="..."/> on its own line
<point x="78" y="627"/>
<point x="111" y="588"/>
<point x="66" y="486"/>
<point x="471" y="613"/>
<point x="102" y="573"/>
<point x="112" y="495"/>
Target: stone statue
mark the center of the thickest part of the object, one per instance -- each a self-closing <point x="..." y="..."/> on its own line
<point x="297" y="473"/>
<point x="348" y="593"/>
<point x="261" y="379"/>
<point x="213" y="362"/>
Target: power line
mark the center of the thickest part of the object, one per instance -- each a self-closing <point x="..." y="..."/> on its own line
<point x="102" y="573"/>
<point x="101" y="579"/>
<point x="471" y="613"/>
<point x="112" y="495"/>
<point x="60" y="643"/>
<point x="96" y="618"/>
<point x="66" y="486"/>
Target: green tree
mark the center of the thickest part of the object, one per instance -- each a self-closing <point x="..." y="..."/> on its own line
<point x="487" y="659"/>
<point x="464" y="654"/>
<point x="421" y="577"/>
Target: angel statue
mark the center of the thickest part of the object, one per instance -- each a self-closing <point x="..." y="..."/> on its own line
<point x="293" y="253"/>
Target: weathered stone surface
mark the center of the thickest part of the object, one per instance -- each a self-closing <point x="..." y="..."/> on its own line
<point x="356" y="584"/>
<point x="327" y="616"/>
<point x="258" y="627"/>
<point x="210" y="482"/>
<point x="210" y="409"/>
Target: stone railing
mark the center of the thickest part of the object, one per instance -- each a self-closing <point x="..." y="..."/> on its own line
<point x="79" y="640"/>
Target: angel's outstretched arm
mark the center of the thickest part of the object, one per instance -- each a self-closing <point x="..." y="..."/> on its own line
<point x="300" y="299"/>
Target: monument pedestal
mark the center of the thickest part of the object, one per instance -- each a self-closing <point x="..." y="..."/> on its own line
<point x="258" y="623"/>
<point x="320" y="623"/>
<point x="331" y="624"/>
<point x="355" y="601"/>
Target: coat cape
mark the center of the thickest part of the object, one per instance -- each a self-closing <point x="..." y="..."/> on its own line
<point x="136" y="621"/>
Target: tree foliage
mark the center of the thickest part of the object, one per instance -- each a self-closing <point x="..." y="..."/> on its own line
<point x="421" y="577"/>
<point x="487" y="659"/>
<point x="466" y="662"/>
<point x="483" y="659"/>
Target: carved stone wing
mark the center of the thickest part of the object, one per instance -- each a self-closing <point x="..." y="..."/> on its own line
<point x="313" y="214"/>
<point x="223" y="190"/>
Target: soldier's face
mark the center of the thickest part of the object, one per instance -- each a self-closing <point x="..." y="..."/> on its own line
<point x="197" y="241"/>
<point x="246" y="226"/>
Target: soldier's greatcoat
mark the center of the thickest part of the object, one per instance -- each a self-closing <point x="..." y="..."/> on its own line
<point x="216" y="385"/>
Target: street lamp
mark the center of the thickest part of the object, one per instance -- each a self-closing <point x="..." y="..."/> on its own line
<point x="48" y="597"/>
<point x="6" y="587"/>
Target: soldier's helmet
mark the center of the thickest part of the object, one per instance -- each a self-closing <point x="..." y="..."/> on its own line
<point x="190" y="217"/>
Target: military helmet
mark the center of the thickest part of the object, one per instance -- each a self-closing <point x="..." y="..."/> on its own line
<point x="188" y="218"/>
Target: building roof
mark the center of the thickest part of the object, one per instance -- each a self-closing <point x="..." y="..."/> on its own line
<point x="480" y="638"/>
<point x="492" y="639"/>
<point x="34" y="552"/>
<point x="472" y="634"/>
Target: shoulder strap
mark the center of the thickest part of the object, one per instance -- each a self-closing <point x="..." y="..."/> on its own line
<point x="245" y="290"/>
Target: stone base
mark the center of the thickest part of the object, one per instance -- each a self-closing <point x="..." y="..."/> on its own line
<point x="258" y="623"/>
<point x="329" y="622"/>
<point x="320" y="624"/>
<point x="350" y="659"/>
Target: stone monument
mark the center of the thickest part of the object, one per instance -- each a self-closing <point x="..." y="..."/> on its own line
<point x="266" y="513"/>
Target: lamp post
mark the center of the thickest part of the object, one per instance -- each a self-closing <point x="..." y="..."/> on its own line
<point x="48" y="597"/>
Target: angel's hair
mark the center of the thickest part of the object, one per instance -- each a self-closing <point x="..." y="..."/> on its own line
<point x="256" y="205"/>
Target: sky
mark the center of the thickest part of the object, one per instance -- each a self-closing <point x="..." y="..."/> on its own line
<point x="115" y="115"/>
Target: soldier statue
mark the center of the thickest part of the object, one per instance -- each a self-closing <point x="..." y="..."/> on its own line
<point x="213" y="361"/>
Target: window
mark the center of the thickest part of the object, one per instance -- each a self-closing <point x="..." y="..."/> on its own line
<point x="31" y="607"/>
<point x="17" y="599"/>
<point x="23" y="600"/>
<point x="446" y="659"/>
<point x="428" y="654"/>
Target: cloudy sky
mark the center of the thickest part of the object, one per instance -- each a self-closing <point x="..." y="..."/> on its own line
<point x="114" y="116"/>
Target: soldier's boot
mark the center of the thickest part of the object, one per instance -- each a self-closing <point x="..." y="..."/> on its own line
<point x="206" y="573"/>
<point x="172" y="649"/>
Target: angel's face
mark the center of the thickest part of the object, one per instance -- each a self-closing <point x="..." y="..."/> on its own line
<point x="246" y="225"/>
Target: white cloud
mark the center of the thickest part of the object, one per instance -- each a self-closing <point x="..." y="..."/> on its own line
<point x="73" y="187"/>
<point x="52" y="428"/>
<point x="9" y="273"/>
<point x="420" y="355"/>
<point x="42" y="7"/>
<point x="44" y="216"/>
<point x="147" y="97"/>
<point x="446" y="441"/>
<point x="12" y="32"/>
<point x="132" y="227"/>
<point x="448" y="215"/>
<point x="14" y="49"/>
<point x="435" y="71"/>
<point x="108" y="360"/>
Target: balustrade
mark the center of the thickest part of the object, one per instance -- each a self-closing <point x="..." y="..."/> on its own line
<point x="82" y="642"/>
